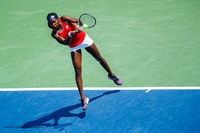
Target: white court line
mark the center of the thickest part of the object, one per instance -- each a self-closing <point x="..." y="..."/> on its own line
<point x="147" y="89"/>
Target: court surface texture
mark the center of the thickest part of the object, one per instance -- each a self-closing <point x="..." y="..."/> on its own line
<point x="109" y="111"/>
<point x="152" y="46"/>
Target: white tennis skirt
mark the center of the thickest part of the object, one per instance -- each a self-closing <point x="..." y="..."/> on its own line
<point x="86" y="43"/>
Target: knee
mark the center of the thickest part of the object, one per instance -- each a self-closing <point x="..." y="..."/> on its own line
<point x="99" y="58"/>
<point x="78" y="72"/>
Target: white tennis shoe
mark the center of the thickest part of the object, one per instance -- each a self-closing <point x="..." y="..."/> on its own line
<point x="84" y="103"/>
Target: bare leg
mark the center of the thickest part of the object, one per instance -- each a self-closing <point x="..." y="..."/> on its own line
<point x="76" y="60"/>
<point x="95" y="53"/>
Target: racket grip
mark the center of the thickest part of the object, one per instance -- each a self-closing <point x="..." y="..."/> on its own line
<point x="79" y="27"/>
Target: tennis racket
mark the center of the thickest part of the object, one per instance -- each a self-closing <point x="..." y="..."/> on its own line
<point x="86" y="21"/>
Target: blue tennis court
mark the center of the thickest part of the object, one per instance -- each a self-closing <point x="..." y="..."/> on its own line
<point x="114" y="111"/>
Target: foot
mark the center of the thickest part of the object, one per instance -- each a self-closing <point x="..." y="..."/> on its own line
<point x="84" y="103"/>
<point x="116" y="80"/>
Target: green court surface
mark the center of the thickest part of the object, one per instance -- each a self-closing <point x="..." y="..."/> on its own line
<point x="146" y="43"/>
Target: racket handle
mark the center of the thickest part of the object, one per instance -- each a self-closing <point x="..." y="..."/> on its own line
<point x="79" y="27"/>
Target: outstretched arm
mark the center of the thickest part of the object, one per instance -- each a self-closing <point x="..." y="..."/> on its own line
<point x="71" y="20"/>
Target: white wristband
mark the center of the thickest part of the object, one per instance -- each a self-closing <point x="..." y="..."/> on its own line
<point x="69" y="34"/>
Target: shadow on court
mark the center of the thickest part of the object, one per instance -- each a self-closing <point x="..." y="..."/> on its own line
<point x="63" y="112"/>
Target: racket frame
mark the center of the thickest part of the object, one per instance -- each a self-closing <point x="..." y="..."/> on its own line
<point x="80" y="26"/>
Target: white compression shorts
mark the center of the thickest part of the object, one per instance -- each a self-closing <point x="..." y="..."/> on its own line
<point x="86" y="43"/>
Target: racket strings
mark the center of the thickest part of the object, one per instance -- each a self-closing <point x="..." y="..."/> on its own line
<point x="89" y="20"/>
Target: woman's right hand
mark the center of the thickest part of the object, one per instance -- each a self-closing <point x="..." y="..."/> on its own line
<point x="74" y="32"/>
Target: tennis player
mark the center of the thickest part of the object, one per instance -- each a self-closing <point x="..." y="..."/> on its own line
<point x="65" y="32"/>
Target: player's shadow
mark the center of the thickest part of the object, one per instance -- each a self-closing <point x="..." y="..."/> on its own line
<point x="63" y="112"/>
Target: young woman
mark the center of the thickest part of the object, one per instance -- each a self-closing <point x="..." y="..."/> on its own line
<point x="65" y="32"/>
